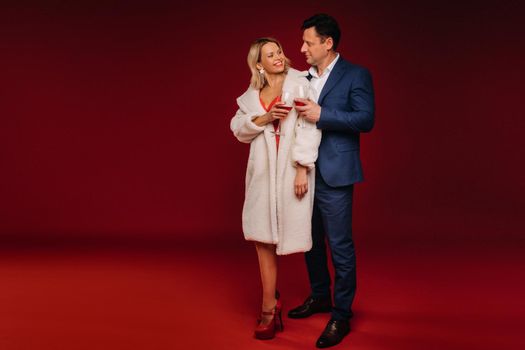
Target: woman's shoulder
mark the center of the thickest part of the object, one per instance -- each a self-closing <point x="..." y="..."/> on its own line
<point x="249" y="92"/>
<point x="294" y="73"/>
<point x="248" y="96"/>
<point x="297" y="76"/>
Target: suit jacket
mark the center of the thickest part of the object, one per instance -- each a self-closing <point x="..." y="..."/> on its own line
<point x="347" y="110"/>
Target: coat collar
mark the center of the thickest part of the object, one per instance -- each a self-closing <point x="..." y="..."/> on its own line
<point x="335" y="75"/>
<point x="251" y="100"/>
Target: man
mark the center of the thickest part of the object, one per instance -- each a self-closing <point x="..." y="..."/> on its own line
<point x="344" y="109"/>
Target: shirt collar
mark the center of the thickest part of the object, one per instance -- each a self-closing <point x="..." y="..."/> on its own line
<point x="313" y="70"/>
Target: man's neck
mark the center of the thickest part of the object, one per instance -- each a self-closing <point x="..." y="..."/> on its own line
<point x="326" y="62"/>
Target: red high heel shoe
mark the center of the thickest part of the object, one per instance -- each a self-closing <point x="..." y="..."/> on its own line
<point x="276" y="324"/>
<point x="277" y="297"/>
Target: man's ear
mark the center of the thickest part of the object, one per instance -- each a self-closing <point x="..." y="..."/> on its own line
<point x="329" y="43"/>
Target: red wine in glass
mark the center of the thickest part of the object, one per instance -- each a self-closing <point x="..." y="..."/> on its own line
<point x="297" y="103"/>
<point x="287" y="100"/>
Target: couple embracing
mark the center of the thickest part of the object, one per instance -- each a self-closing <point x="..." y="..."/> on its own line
<point x="303" y="129"/>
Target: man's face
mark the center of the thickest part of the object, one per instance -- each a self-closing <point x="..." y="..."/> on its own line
<point x="315" y="50"/>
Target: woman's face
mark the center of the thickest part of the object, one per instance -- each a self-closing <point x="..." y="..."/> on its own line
<point x="272" y="59"/>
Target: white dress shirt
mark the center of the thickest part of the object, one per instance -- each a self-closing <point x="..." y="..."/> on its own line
<point x="317" y="82"/>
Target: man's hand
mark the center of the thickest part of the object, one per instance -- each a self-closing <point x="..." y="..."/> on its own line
<point x="311" y="111"/>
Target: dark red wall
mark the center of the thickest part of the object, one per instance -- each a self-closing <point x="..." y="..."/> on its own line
<point x="114" y="117"/>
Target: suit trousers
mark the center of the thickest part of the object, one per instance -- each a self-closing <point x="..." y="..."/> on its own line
<point x="332" y="223"/>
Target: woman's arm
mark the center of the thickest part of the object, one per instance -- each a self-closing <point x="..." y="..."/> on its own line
<point x="301" y="181"/>
<point x="306" y="145"/>
<point x="246" y="125"/>
<point x="304" y="153"/>
<point x="262" y="120"/>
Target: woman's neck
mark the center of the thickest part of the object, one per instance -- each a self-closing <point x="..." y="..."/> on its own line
<point x="275" y="80"/>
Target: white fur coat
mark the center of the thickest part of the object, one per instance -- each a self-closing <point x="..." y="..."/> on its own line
<point x="272" y="213"/>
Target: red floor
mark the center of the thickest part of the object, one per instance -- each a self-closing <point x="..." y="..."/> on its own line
<point x="168" y="295"/>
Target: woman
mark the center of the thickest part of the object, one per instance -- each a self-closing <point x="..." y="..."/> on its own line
<point x="279" y="190"/>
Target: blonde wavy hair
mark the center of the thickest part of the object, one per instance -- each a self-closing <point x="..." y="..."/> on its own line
<point x="258" y="81"/>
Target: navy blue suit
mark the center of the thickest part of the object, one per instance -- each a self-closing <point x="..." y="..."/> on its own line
<point x="347" y="109"/>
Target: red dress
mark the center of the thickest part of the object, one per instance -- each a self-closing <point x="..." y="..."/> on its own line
<point x="275" y="122"/>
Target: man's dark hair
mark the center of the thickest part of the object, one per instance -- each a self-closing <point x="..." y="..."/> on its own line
<point x="325" y="25"/>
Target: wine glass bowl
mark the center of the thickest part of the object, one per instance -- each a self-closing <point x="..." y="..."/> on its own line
<point x="287" y="100"/>
<point x="300" y="93"/>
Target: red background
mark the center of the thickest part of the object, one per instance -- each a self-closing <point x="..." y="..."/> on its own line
<point x="115" y="125"/>
<point x="115" y="116"/>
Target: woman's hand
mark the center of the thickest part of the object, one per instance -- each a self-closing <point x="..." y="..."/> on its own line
<point x="276" y="112"/>
<point x="301" y="181"/>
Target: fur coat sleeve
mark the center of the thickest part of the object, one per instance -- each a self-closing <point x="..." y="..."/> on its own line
<point x="307" y="140"/>
<point x="242" y="125"/>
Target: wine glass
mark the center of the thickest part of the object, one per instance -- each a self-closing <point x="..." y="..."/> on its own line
<point x="301" y="92"/>
<point x="287" y="98"/>
<point x="285" y="103"/>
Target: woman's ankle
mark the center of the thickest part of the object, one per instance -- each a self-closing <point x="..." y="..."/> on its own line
<point x="268" y="305"/>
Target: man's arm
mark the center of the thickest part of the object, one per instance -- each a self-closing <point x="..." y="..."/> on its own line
<point x="361" y="119"/>
<point x="361" y="100"/>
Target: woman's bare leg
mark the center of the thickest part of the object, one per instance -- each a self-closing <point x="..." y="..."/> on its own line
<point x="268" y="269"/>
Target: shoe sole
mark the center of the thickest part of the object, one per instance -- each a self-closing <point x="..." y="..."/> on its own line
<point x="263" y="337"/>
<point x="310" y="314"/>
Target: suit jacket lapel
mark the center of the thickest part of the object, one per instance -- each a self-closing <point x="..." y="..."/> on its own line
<point x="335" y="76"/>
